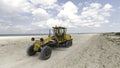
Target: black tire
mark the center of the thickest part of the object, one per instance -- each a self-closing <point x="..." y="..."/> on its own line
<point x="70" y="42"/>
<point x="31" y="51"/>
<point x="67" y="44"/>
<point x="45" y="53"/>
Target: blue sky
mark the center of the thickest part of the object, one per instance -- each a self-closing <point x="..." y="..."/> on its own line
<point x="79" y="16"/>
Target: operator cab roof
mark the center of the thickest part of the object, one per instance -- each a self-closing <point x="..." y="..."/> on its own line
<point x="58" y="27"/>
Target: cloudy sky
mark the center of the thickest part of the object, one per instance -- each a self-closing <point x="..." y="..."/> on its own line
<point x="37" y="16"/>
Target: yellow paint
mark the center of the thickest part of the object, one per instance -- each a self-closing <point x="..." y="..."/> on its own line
<point x="68" y="36"/>
<point x="38" y="43"/>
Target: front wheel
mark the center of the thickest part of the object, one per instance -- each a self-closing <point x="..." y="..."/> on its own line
<point x="31" y="51"/>
<point x="45" y="53"/>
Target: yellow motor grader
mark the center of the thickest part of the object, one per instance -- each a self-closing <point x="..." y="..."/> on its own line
<point x="59" y="38"/>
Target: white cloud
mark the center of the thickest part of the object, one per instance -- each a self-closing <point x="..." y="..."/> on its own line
<point x="40" y="14"/>
<point x="11" y="28"/>
<point x="69" y="10"/>
<point x="53" y="22"/>
<point x="44" y="2"/>
<point x="95" y="5"/>
<point x="39" y="24"/>
<point x="15" y="11"/>
<point x="16" y="5"/>
<point x="107" y="7"/>
<point x="93" y="15"/>
<point x="58" y="22"/>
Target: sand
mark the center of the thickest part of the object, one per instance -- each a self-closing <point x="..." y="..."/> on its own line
<point x="88" y="51"/>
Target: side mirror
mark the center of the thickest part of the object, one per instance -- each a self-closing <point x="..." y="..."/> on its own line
<point x="32" y="39"/>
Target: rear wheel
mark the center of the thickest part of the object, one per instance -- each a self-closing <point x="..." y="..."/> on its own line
<point x="45" y="53"/>
<point x="31" y="51"/>
<point x="68" y="43"/>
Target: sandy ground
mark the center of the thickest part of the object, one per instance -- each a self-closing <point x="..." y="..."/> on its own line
<point x="88" y="51"/>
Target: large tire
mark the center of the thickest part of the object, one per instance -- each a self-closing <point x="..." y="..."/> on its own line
<point x="31" y="51"/>
<point x="45" y="53"/>
<point x="70" y="42"/>
<point x="67" y="44"/>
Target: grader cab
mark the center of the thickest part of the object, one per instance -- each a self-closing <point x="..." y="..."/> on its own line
<point x="58" y="39"/>
<point x="59" y="33"/>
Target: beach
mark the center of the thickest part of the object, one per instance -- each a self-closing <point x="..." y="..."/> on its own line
<point x="87" y="51"/>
